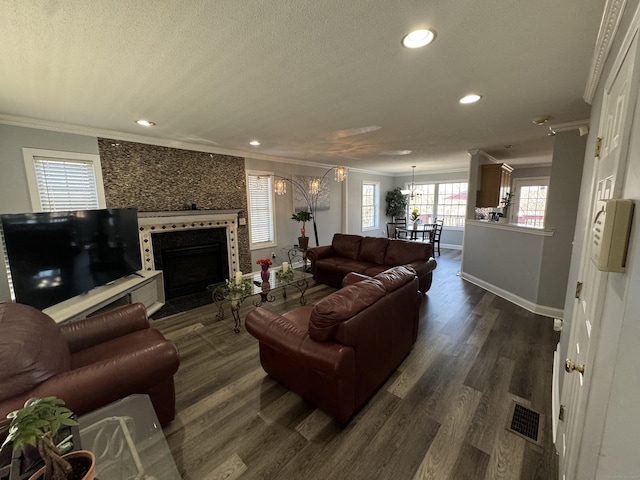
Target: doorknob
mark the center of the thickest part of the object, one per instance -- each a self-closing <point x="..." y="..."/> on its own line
<point x="570" y="366"/>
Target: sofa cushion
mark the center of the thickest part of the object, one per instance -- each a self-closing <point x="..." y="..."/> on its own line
<point x="373" y="249"/>
<point x="347" y="246"/>
<point x="395" y="277"/>
<point x="32" y="349"/>
<point x="342" y="305"/>
<point x="401" y="252"/>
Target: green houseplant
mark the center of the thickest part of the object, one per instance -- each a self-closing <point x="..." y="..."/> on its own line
<point x="303" y="216"/>
<point x="36" y="424"/>
<point x="396" y="204"/>
<point x="507" y="200"/>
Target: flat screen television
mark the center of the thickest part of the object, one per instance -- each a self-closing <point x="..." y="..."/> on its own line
<point x="54" y="256"/>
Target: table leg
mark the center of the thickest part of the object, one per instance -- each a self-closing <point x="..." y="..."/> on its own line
<point x="235" y="311"/>
<point x="301" y="285"/>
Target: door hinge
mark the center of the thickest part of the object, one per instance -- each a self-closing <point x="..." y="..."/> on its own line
<point x="598" y="145"/>
<point x="561" y="414"/>
<point x="578" y="289"/>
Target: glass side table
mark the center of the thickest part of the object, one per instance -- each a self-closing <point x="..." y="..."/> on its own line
<point x="254" y="286"/>
<point x="126" y="438"/>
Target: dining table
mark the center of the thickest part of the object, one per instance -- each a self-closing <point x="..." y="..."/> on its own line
<point x="412" y="232"/>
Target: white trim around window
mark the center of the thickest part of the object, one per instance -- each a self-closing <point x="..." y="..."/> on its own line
<point x="370" y="201"/>
<point x="63" y="180"/>
<point x="261" y="210"/>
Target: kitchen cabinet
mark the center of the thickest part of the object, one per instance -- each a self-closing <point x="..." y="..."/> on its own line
<point x="495" y="182"/>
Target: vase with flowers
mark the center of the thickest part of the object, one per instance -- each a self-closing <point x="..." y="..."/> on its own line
<point x="265" y="263"/>
<point x="414" y="217"/>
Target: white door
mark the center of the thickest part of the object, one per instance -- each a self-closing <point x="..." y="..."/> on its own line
<point x="578" y="440"/>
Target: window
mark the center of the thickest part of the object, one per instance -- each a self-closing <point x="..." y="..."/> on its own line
<point x="63" y="180"/>
<point x="446" y="201"/>
<point x="370" y="210"/>
<point x="260" y="198"/>
<point x="530" y="201"/>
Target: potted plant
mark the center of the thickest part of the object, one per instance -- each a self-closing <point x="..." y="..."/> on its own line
<point x="36" y="424"/>
<point x="506" y="202"/>
<point x="303" y="216"/>
<point x="396" y="204"/>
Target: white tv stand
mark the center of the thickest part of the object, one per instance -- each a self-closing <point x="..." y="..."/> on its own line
<point x="146" y="287"/>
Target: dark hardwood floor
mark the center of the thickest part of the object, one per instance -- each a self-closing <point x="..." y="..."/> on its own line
<point x="442" y="415"/>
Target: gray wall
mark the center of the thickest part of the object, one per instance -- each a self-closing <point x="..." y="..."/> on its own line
<point x="14" y="193"/>
<point x="562" y="208"/>
<point x="354" y="203"/>
<point x="539" y="274"/>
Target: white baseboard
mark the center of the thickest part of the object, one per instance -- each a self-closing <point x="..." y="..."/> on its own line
<point x="521" y="302"/>
<point x="451" y="246"/>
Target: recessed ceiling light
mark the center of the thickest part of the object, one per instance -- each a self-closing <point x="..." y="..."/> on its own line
<point x="418" y="38"/>
<point x="255" y="143"/>
<point x="396" y="152"/>
<point x="472" y="98"/>
<point x="145" y="123"/>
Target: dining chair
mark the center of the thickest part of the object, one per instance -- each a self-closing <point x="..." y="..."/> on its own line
<point x="402" y="223"/>
<point x="435" y="238"/>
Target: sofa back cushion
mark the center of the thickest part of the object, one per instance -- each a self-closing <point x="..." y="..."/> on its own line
<point x="32" y="349"/>
<point x="373" y="249"/>
<point x="342" y="305"/>
<point x="346" y="246"/>
<point x="394" y="278"/>
<point x="401" y="252"/>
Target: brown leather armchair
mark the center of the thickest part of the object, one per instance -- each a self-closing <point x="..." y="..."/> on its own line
<point x="337" y="353"/>
<point x="88" y="363"/>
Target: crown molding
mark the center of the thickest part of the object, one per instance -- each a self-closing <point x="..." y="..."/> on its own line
<point x="160" y="142"/>
<point x="611" y="17"/>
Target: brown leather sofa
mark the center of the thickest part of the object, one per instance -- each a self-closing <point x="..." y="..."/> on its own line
<point x="370" y="256"/>
<point x="88" y="363"/>
<point x="337" y="353"/>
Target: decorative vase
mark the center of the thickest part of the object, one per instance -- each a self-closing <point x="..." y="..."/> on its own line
<point x="265" y="274"/>
<point x="303" y="242"/>
<point x="415" y="225"/>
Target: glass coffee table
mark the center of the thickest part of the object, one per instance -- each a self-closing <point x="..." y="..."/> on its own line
<point x="252" y="285"/>
<point x="126" y="438"/>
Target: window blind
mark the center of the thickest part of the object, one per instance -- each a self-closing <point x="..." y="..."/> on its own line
<point x="66" y="184"/>
<point x="260" y="209"/>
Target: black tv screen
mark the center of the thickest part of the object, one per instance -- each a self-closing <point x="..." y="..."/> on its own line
<point x="54" y="256"/>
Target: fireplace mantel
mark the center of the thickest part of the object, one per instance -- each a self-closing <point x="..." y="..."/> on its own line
<point x="150" y="223"/>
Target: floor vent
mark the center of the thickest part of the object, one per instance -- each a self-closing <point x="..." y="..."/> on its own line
<point x="525" y="423"/>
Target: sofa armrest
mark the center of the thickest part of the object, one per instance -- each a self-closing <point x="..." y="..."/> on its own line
<point x="91" y="331"/>
<point x="281" y="335"/>
<point x="92" y="386"/>
<point x="353" y="277"/>
<point x="424" y="267"/>
<point x="316" y="253"/>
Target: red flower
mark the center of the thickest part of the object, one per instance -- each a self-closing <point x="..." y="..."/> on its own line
<point x="265" y="262"/>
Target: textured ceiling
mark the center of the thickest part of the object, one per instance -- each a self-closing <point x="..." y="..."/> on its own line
<point x="302" y="76"/>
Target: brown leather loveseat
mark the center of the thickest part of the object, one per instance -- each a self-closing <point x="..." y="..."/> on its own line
<point x="370" y="256"/>
<point x="88" y="363"/>
<point x="337" y="353"/>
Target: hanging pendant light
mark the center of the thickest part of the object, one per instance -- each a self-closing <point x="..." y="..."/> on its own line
<point x="413" y="184"/>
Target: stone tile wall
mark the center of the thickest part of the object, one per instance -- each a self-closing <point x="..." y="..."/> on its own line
<point x="155" y="179"/>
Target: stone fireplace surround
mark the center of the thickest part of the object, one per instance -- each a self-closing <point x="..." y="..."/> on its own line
<point x="153" y="223"/>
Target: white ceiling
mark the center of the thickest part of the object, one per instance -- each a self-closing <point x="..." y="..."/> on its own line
<point x="301" y="76"/>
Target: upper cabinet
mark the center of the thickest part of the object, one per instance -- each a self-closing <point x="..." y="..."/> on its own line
<point x="495" y="182"/>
